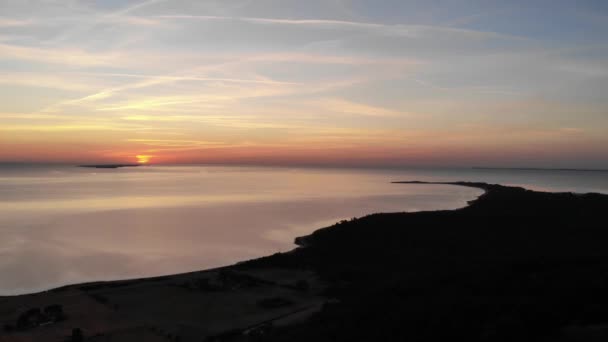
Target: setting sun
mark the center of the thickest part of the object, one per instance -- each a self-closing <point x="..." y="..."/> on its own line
<point x="143" y="159"/>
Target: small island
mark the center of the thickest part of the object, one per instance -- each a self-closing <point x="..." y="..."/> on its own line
<point x="109" y="166"/>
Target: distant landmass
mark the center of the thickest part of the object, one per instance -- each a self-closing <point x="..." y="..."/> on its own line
<point x="109" y="166"/>
<point x="537" y="169"/>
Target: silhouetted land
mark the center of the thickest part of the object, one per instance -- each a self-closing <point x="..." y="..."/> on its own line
<point x="514" y="265"/>
<point x="110" y="166"/>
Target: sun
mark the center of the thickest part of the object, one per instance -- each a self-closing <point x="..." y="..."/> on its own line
<point x="143" y="159"/>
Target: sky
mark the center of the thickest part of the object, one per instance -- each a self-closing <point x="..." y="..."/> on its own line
<point x="316" y="82"/>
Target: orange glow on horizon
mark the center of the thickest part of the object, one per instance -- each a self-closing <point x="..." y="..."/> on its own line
<point x="143" y="159"/>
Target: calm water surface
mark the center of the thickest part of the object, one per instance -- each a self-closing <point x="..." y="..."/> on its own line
<point x="63" y="224"/>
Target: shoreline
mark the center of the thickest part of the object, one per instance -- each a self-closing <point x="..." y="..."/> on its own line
<point x="502" y="243"/>
<point x="482" y="186"/>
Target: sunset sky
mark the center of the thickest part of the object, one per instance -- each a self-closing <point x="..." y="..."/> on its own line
<point x="320" y="82"/>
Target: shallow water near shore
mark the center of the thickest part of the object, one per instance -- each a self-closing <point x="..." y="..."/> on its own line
<point x="62" y="224"/>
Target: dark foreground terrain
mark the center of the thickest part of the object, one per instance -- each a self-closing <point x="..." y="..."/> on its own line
<point x="515" y="265"/>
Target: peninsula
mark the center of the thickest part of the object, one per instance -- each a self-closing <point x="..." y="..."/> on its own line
<point x="513" y="265"/>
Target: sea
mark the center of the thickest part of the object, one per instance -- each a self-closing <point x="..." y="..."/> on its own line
<point x="62" y="224"/>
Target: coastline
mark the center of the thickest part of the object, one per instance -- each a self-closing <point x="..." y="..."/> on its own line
<point x="322" y="281"/>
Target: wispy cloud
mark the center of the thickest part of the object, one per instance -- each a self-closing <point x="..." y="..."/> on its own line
<point x="387" y="29"/>
<point x="173" y="77"/>
<point x="7" y="22"/>
<point x="100" y="18"/>
<point x="64" y="56"/>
